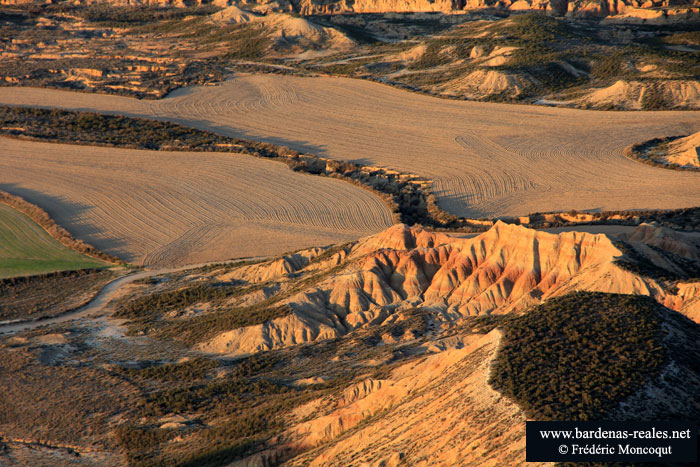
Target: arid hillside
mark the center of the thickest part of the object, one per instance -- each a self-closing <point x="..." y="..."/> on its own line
<point x="173" y="208"/>
<point x="373" y="233"/>
<point x="506" y="269"/>
<point x="622" y="55"/>
<point x="403" y="347"/>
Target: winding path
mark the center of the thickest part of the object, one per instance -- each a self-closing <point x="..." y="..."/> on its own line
<point x="97" y="304"/>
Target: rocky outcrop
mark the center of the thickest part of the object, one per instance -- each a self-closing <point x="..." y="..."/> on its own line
<point x="685" y="152"/>
<point x="504" y="270"/>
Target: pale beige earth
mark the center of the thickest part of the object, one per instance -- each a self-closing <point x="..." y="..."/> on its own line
<point x="631" y="94"/>
<point x="685" y="151"/>
<point x="169" y="208"/>
<point x="287" y="29"/>
<point x="485" y="159"/>
<point x="438" y="411"/>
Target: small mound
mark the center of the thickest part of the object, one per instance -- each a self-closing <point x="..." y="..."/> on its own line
<point x="636" y="95"/>
<point x="685" y="151"/>
<point x="300" y="31"/>
<point x="411" y="55"/>
<point x="288" y="26"/>
<point x="485" y="83"/>
<point x="622" y="93"/>
<point x="233" y="14"/>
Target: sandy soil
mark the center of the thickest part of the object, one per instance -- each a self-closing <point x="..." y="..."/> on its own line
<point x="486" y="159"/>
<point x="171" y="208"/>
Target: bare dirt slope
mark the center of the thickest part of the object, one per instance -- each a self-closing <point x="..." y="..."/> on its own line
<point x="685" y="152"/>
<point x="485" y="159"/>
<point x="170" y="208"/>
<point x="440" y="411"/>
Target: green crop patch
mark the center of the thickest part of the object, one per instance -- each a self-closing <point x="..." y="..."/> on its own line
<point x="26" y="249"/>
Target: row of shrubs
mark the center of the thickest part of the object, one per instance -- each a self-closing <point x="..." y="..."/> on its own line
<point x="9" y="283"/>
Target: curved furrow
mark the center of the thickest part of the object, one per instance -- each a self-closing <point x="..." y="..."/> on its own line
<point x="484" y="158"/>
<point x="158" y="206"/>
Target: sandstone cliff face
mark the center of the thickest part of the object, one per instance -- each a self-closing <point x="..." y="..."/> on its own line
<point x="507" y="269"/>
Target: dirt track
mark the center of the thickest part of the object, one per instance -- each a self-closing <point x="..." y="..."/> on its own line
<point x="485" y="159"/>
<point x="173" y="208"/>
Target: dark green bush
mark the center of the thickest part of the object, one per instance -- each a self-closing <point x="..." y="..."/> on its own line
<point x="577" y="357"/>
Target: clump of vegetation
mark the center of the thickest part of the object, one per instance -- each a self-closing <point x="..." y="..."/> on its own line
<point x="108" y="130"/>
<point x="154" y="305"/>
<point x="129" y="16"/>
<point x="137" y="441"/>
<point x="208" y="396"/>
<point x="577" y="357"/>
<point x="249" y="404"/>
<point x="147" y="311"/>
<point x="191" y="370"/>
